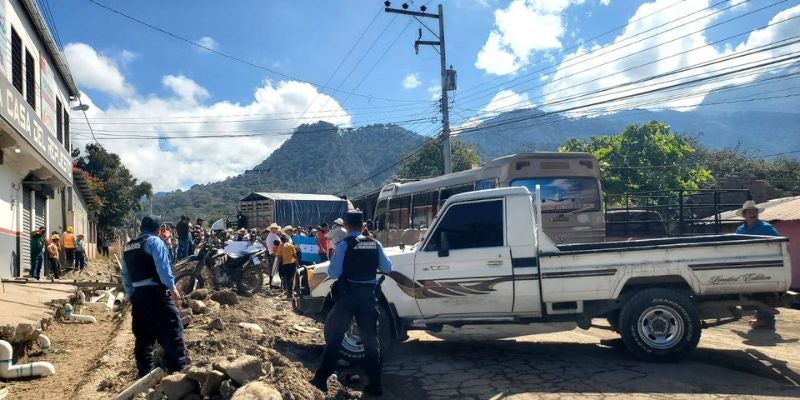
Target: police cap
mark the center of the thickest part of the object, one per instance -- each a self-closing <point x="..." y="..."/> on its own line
<point x="354" y="218"/>
<point x="150" y="223"/>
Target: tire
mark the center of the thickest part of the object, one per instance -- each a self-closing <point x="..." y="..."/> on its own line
<point x="352" y="350"/>
<point x="660" y="325"/>
<point x="250" y="280"/>
<point x="186" y="282"/>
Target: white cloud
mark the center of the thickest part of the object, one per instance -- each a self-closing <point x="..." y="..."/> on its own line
<point x="96" y="71"/>
<point x="411" y="81"/>
<point x="579" y="73"/>
<point x="435" y="92"/>
<point x="274" y="110"/>
<point x="507" y="100"/>
<point x="208" y="42"/>
<point x="605" y="2"/>
<point x="523" y="27"/>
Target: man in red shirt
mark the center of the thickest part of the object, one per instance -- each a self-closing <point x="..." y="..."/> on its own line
<point x="322" y="242"/>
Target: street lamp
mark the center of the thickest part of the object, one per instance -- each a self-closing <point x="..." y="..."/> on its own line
<point x="82" y="107"/>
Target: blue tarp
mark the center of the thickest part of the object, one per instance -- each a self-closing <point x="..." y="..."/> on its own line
<point x="308" y="212"/>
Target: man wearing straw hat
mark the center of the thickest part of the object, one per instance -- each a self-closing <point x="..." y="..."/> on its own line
<point x="754" y="226"/>
<point x="272" y="237"/>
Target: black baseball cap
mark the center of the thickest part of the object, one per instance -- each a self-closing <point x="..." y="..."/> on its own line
<point x="354" y="218"/>
<point x="150" y="223"/>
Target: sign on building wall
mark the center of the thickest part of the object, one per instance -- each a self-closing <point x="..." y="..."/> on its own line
<point x="47" y="82"/>
<point x="19" y="114"/>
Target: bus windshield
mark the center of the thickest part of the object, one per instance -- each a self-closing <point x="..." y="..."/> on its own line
<point x="564" y="194"/>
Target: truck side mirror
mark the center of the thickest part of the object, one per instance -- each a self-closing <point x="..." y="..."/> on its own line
<point x="444" y="245"/>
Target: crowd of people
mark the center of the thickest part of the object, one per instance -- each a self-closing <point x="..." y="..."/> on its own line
<point x="51" y="248"/>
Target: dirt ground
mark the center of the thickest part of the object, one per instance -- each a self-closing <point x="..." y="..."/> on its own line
<point x="96" y="361"/>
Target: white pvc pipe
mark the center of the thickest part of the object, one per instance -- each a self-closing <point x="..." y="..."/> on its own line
<point x="10" y="371"/>
<point x="120" y="298"/>
<point x="141" y="386"/>
<point x="81" y="297"/>
<point x="44" y="343"/>
<point x="78" y="317"/>
<point x="110" y="301"/>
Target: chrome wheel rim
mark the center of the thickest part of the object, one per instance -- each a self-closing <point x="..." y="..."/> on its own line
<point x="660" y="327"/>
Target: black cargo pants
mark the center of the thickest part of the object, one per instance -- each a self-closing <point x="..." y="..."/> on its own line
<point x="353" y="300"/>
<point x="156" y="319"/>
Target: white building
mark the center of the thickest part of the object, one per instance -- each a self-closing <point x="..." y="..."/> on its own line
<point x="36" y="91"/>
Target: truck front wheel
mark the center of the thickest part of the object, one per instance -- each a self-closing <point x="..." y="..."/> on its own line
<point x="660" y="324"/>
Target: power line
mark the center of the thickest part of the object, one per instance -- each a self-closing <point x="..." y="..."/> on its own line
<point x="241" y="60"/>
<point x="613" y="49"/>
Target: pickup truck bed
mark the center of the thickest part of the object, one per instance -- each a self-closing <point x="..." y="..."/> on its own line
<point x="647" y="244"/>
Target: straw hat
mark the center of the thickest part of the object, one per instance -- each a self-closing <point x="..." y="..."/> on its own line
<point x="338" y="221"/>
<point x="287" y="228"/>
<point x="748" y="205"/>
<point x="273" y="226"/>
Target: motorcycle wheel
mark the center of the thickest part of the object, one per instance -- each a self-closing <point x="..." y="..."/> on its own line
<point x="186" y="282"/>
<point x="250" y="280"/>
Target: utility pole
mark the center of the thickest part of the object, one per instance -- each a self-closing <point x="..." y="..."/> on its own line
<point x="448" y="76"/>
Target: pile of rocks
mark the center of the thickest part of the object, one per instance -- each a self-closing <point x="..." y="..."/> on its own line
<point x="223" y="378"/>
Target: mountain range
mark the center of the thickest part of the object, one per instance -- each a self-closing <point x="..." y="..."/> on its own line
<point x="322" y="158"/>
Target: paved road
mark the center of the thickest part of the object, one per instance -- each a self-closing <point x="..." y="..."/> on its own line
<point x="731" y="362"/>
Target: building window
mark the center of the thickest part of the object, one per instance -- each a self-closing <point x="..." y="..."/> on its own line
<point x="16" y="60"/>
<point x="66" y="130"/>
<point x="59" y="121"/>
<point x="30" y="79"/>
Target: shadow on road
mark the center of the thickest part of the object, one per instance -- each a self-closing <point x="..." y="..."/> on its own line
<point x="433" y="370"/>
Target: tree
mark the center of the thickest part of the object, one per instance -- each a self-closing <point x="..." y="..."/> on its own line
<point x="782" y="173"/>
<point x="644" y="158"/>
<point x="117" y="190"/>
<point x="429" y="161"/>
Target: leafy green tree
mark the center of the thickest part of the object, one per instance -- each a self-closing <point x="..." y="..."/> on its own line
<point x="782" y="173"/>
<point x="117" y="190"/>
<point x="644" y="158"/>
<point x="429" y="161"/>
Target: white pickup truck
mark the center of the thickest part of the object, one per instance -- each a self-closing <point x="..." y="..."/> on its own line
<point x="485" y="261"/>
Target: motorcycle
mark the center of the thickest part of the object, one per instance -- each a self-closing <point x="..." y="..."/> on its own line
<point x="215" y="268"/>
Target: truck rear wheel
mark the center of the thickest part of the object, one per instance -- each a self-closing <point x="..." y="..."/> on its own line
<point x="660" y="324"/>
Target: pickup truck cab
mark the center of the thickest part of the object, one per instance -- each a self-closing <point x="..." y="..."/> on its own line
<point x="485" y="260"/>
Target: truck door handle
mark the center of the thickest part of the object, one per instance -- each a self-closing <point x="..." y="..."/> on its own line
<point x="494" y="263"/>
<point x="436" y="268"/>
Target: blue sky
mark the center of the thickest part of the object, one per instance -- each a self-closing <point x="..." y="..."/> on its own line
<point x="508" y="54"/>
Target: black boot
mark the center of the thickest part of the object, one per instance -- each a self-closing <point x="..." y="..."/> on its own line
<point x="319" y="382"/>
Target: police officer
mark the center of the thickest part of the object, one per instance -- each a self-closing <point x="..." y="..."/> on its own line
<point x="148" y="282"/>
<point x="354" y="265"/>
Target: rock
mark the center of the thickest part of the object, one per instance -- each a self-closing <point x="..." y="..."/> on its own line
<point x="176" y="386"/>
<point x="198" y="373"/>
<point x="216" y="324"/>
<point x="212" y="383"/>
<point x="185" y="312"/>
<point x="24" y="333"/>
<point x="192" y="396"/>
<point x="226" y="389"/>
<point x="200" y="294"/>
<point x="243" y="369"/>
<point x="186" y="320"/>
<point x="225" y="297"/>
<point x="154" y="395"/>
<point x="257" y="391"/>
<point x="197" y="306"/>
<point x="212" y="305"/>
<point x="251" y="327"/>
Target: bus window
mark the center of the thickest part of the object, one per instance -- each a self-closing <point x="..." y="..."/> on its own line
<point x="564" y="194"/>
<point x="399" y="212"/>
<point x="380" y="215"/>
<point x="486" y="184"/>
<point x="446" y="193"/>
<point x="422" y="214"/>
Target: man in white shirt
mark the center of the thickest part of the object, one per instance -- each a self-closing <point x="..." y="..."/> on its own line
<point x="271" y="238"/>
<point x="336" y="234"/>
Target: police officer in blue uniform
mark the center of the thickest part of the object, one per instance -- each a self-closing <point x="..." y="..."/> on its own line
<point x="355" y="264"/>
<point x="148" y="282"/>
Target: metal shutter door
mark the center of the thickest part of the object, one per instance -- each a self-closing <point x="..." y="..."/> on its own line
<point x="25" y="235"/>
<point x="41" y="201"/>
